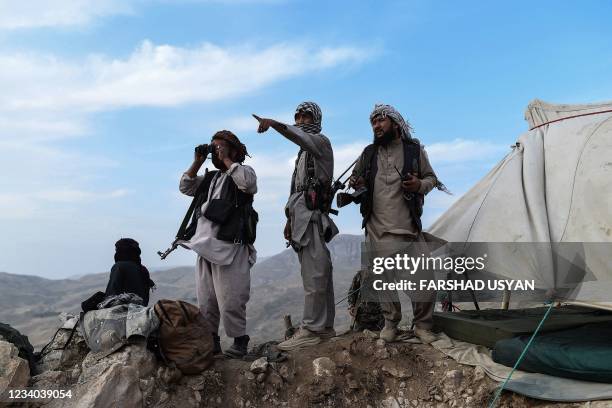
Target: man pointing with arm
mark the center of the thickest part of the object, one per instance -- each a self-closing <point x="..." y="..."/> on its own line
<point x="308" y="227"/>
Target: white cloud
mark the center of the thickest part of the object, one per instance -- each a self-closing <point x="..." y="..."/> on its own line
<point x="16" y="206"/>
<point x="47" y="96"/>
<point x="464" y="150"/>
<point x="16" y="14"/>
<point x="19" y="15"/>
<point x="345" y="154"/>
<point x="33" y="204"/>
<point x="158" y="75"/>
<point x="75" y="195"/>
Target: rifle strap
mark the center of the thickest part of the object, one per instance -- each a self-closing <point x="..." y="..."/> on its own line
<point x="188" y="215"/>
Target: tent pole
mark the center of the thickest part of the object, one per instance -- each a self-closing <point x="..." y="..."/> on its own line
<point x="506" y="300"/>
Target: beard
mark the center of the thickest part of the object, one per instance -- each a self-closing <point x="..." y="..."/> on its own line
<point x="218" y="163"/>
<point x="385" y="138"/>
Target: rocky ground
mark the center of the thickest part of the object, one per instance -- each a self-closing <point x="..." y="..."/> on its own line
<point x="352" y="370"/>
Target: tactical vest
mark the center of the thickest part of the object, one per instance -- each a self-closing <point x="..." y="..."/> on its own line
<point x="317" y="194"/>
<point x="241" y="219"/>
<point x="412" y="165"/>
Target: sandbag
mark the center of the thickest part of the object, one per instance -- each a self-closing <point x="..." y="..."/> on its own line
<point x="583" y="353"/>
<point x="184" y="336"/>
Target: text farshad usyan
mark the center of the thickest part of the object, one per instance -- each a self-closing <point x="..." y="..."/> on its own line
<point x="432" y="284"/>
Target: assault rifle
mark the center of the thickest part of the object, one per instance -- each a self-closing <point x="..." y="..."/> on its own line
<point x="339" y="185"/>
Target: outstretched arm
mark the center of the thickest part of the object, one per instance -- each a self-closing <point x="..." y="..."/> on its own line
<point x="310" y="142"/>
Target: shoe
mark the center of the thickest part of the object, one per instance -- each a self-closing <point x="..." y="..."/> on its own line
<point x="326" y="333"/>
<point x="216" y="344"/>
<point x="389" y="332"/>
<point x="239" y="348"/>
<point x="302" y="338"/>
<point x="426" y="336"/>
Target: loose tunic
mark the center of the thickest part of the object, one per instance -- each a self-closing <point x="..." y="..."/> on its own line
<point x="205" y="242"/>
<point x="390" y="214"/>
<point x="319" y="146"/>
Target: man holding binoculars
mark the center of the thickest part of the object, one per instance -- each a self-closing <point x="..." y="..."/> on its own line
<point x="224" y="222"/>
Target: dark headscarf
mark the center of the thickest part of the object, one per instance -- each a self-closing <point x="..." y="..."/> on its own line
<point x="128" y="250"/>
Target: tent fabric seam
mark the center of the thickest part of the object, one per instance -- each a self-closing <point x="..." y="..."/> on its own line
<point x="586" y="142"/>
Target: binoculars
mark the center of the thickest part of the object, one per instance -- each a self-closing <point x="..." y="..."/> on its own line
<point x="205" y="149"/>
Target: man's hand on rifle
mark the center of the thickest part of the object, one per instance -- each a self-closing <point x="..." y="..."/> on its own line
<point x="412" y="184"/>
<point x="356" y="182"/>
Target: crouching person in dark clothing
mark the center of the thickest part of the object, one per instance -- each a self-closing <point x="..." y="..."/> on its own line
<point x="128" y="274"/>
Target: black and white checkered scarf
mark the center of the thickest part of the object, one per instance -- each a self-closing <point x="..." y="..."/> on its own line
<point x="317" y="116"/>
<point x="388" y="110"/>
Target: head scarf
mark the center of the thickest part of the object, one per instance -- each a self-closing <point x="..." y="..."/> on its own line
<point x="233" y="140"/>
<point x="127" y="249"/>
<point x="317" y="117"/>
<point x="388" y="110"/>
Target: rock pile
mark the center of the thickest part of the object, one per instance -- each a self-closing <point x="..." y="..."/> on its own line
<point x="354" y="370"/>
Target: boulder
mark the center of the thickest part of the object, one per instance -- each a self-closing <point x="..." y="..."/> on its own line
<point x="390" y="402"/>
<point x="61" y="354"/>
<point x="116" y="386"/>
<point x="122" y="379"/>
<point x="135" y="355"/>
<point x="12" y="335"/>
<point x="14" y="370"/>
<point x="259" y="366"/>
<point x="51" y="379"/>
<point x="396" y="372"/>
<point x="324" y="367"/>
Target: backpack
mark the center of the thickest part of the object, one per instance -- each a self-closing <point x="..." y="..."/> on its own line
<point x="367" y="315"/>
<point x="184" y="336"/>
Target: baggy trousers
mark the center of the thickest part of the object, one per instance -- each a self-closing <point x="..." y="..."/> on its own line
<point x="392" y="308"/>
<point x="317" y="277"/>
<point x="223" y="292"/>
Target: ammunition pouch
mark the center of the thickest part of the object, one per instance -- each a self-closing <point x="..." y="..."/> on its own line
<point x="316" y="196"/>
<point x="219" y="210"/>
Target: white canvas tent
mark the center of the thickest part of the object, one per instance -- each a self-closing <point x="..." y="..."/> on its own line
<point x="555" y="185"/>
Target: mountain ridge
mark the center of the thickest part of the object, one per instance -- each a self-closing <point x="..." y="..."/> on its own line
<point x="32" y="304"/>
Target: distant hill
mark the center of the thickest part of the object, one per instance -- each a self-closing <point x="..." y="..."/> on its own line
<point x="32" y="304"/>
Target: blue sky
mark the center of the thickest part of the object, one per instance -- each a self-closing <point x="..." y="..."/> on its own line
<point x="102" y="102"/>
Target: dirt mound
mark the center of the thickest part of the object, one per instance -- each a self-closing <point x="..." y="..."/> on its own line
<point x="351" y="370"/>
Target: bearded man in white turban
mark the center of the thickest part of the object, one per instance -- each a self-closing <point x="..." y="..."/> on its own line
<point x="395" y="174"/>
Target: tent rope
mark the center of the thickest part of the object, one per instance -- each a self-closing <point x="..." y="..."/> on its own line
<point x="347" y="296"/>
<point x="571" y="117"/>
<point x="518" y="362"/>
